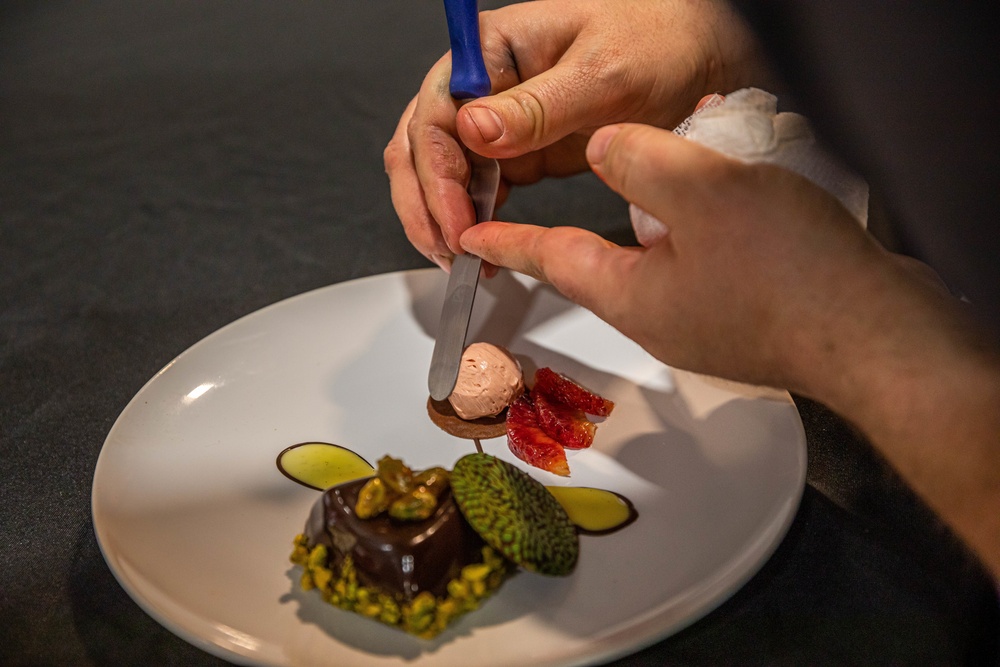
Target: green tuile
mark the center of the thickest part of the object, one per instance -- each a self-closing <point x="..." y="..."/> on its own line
<point x="515" y="514"/>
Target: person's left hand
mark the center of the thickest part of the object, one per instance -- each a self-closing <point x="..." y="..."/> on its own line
<point x="559" y="69"/>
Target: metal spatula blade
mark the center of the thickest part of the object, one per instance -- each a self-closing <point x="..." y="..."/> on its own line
<point x="469" y="80"/>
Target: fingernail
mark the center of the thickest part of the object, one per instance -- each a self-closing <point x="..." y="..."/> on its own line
<point x="443" y="261"/>
<point x="709" y="102"/>
<point x="488" y="122"/>
<point x="597" y="147"/>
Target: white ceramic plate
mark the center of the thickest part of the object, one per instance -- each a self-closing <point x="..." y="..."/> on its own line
<point x="196" y="521"/>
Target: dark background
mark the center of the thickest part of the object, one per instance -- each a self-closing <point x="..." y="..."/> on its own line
<point x="167" y="167"/>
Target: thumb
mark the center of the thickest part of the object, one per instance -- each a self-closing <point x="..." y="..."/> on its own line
<point x="655" y="169"/>
<point x="533" y="114"/>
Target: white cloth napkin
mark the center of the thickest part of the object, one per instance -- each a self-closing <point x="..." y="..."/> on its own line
<point x="746" y="125"/>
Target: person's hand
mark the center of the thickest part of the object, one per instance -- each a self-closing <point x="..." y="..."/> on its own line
<point x="559" y="70"/>
<point x="764" y="277"/>
<point x="750" y="281"/>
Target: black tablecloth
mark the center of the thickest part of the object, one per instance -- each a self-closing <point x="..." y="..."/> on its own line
<point x="167" y="167"/>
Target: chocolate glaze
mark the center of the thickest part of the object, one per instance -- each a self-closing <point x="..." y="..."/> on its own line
<point x="401" y="558"/>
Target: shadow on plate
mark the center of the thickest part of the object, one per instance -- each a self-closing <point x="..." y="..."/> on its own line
<point x="502" y="308"/>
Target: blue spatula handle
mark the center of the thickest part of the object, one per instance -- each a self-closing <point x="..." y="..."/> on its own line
<point x="468" y="71"/>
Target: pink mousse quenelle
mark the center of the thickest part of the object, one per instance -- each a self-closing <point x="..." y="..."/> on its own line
<point x="489" y="378"/>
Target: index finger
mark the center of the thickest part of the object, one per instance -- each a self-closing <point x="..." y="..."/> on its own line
<point x="438" y="157"/>
<point x="408" y="196"/>
<point x="586" y="268"/>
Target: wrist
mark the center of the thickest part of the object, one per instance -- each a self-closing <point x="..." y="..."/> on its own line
<point x="738" y="60"/>
<point x="921" y="380"/>
<point x="905" y="352"/>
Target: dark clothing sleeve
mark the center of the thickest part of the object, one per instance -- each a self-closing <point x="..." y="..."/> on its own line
<point x="907" y="93"/>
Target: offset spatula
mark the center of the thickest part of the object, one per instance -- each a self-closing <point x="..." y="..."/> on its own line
<point x="469" y="80"/>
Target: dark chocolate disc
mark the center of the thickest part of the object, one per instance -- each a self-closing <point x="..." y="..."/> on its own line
<point x="442" y="414"/>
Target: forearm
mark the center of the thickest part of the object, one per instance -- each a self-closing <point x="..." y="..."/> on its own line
<point x="923" y="384"/>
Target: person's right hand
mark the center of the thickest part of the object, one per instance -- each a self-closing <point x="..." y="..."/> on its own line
<point x="559" y="70"/>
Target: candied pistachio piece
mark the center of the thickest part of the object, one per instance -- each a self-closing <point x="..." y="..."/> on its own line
<point x="373" y="499"/>
<point x="300" y="551"/>
<point x="435" y="479"/>
<point x="394" y="474"/>
<point x="405" y="495"/>
<point x="419" y="614"/>
<point x="416" y="505"/>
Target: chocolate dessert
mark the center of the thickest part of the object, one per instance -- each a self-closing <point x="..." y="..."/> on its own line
<point x="392" y="563"/>
<point x="417" y="550"/>
<point x="402" y="558"/>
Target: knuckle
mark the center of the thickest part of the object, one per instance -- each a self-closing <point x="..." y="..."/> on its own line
<point x="394" y="156"/>
<point x="442" y="154"/>
<point x="624" y="159"/>
<point x="607" y="73"/>
<point x="533" y="110"/>
<point x="555" y="256"/>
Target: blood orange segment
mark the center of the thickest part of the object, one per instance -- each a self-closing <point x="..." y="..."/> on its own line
<point x="564" y="423"/>
<point x="560" y="388"/>
<point x="530" y="443"/>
